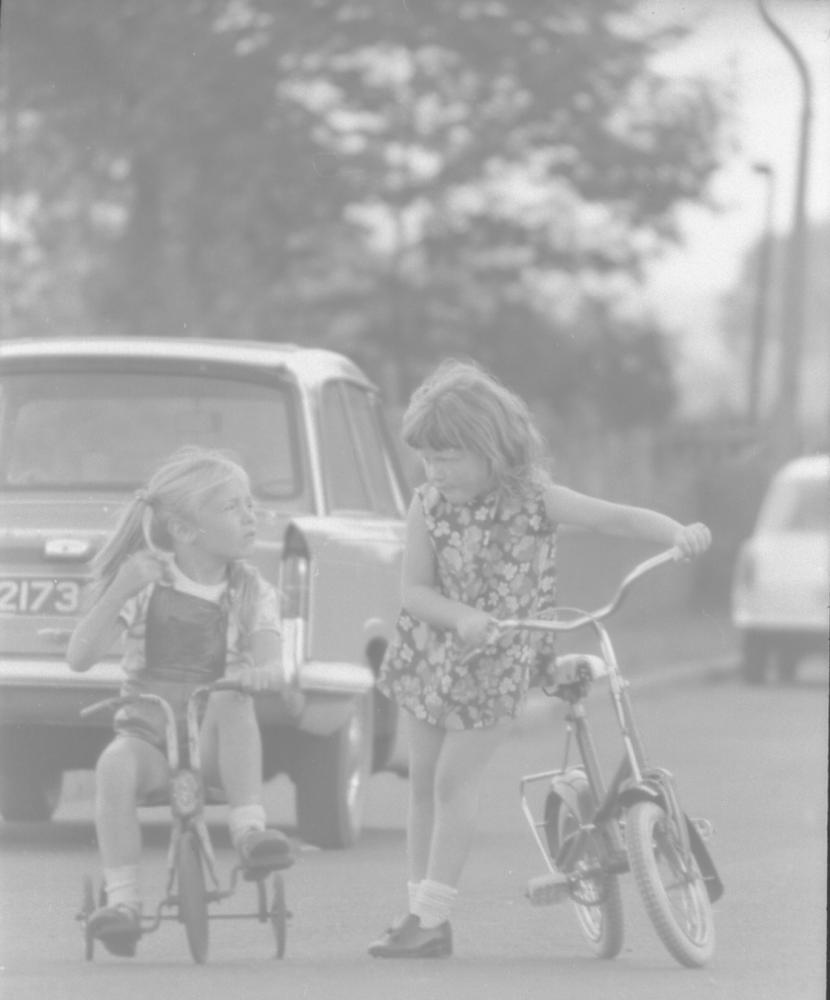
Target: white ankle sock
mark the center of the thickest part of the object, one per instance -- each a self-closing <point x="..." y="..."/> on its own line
<point x="122" y="886"/>
<point x="245" y="818"/>
<point x="433" y="902"/>
<point x="411" y="892"/>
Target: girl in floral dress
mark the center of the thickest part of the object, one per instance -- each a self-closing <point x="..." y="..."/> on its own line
<point x="480" y="545"/>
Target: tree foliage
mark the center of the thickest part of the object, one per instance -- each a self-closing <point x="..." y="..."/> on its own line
<point x="395" y="180"/>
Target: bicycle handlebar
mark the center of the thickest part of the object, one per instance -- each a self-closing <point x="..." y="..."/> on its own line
<point x="583" y="618"/>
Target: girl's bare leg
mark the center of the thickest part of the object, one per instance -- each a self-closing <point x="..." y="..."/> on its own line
<point x="232" y="747"/>
<point x="463" y="759"/>
<point x="128" y="769"/>
<point x="425" y="742"/>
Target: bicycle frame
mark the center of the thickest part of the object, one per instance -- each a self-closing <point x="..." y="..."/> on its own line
<point x="634" y="779"/>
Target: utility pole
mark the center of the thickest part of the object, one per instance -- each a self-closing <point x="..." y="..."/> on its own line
<point x="791" y="335"/>
<point x="758" y="344"/>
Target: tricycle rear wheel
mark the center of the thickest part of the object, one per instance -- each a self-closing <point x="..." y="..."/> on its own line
<point x="278" y="915"/>
<point x="673" y="892"/>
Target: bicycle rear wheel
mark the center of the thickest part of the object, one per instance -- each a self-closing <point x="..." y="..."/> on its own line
<point x="595" y="895"/>
<point x="675" y="899"/>
<point x="193" y="911"/>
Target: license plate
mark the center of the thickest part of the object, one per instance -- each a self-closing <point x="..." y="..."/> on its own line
<point x="40" y="595"/>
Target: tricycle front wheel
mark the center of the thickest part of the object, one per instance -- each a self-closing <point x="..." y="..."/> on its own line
<point x="193" y="911"/>
<point x="671" y="886"/>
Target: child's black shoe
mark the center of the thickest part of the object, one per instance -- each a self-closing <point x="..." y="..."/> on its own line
<point x="264" y="850"/>
<point x="118" y="928"/>
<point x="409" y="940"/>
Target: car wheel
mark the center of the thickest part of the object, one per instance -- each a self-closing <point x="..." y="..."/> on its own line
<point x="755" y="653"/>
<point x="386" y="730"/>
<point x="787" y="661"/>
<point x="29" y="790"/>
<point x="331" y="777"/>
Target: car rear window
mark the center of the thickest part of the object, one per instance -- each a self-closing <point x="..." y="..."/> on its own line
<point x="106" y="429"/>
<point x="797" y="504"/>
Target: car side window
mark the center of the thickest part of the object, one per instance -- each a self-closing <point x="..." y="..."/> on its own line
<point x="371" y="448"/>
<point x="345" y="487"/>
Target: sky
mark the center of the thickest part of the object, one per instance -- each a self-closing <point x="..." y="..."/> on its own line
<point x="731" y="42"/>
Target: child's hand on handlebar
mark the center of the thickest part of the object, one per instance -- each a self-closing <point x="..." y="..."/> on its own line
<point x="473" y="627"/>
<point x="692" y="540"/>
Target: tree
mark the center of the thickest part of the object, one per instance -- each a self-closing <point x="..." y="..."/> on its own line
<point x="398" y="180"/>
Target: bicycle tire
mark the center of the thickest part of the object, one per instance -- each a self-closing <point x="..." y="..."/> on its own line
<point x="596" y="901"/>
<point x="677" y="905"/>
<point x="192" y="898"/>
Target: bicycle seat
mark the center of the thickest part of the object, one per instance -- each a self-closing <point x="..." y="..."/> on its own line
<point x="576" y="668"/>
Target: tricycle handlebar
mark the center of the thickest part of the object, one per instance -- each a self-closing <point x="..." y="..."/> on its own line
<point x="119" y="700"/>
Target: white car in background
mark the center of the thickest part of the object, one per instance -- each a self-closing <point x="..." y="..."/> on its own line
<point x="781" y="585"/>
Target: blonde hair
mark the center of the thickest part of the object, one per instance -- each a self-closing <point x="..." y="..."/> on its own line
<point x="179" y="488"/>
<point x="462" y="406"/>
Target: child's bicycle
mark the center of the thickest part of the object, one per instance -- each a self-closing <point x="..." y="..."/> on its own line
<point x="190" y="854"/>
<point x="592" y="831"/>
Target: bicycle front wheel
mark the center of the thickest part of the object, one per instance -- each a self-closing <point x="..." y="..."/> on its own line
<point x="674" y="894"/>
<point x="193" y="910"/>
<point x="595" y="894"/>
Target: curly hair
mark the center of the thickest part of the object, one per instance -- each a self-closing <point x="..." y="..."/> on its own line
<point x="460" y="405"/>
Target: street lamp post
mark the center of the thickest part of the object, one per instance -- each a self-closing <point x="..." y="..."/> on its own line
<point x="758" y="344"/>
<point x="785" y="428"/>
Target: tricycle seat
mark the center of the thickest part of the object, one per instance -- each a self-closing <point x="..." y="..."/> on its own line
<point x="214" y="796"/>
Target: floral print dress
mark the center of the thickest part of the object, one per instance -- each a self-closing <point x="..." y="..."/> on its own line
<point x="497" y="555"/>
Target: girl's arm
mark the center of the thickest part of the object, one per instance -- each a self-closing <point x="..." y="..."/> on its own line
<point x="421" y="597"/>
<point x="267" y="673"/>
<point x="97" y="631"/>
<point x="99" y="628"/>
<point x="569" y="507"/>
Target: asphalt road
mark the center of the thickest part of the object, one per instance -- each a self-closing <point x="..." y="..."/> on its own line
<point x="754" y="761"/>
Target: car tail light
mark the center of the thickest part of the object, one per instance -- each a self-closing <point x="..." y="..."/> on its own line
<point x="295" y="579"/>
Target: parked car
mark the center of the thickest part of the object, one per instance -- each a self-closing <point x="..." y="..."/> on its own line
<point x="781" y="584"/>
<point x="82" y="423"/>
